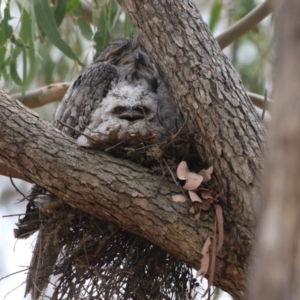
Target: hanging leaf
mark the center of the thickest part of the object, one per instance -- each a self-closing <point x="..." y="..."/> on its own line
<point x="85" y="29"/>
<point x="205" y="259"/>
<point x="60" y="11"/>
<point x="14" y="74"/>
<point x="72" y="5"/>
<point x="215" y="14"/>
<point x="220" y="222"/>
<point x="47" y="23"/>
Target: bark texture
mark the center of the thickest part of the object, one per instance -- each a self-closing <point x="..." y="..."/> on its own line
<point x="111" y="189"/>
<point x="276" y="274"/>
<point x="229" y="136"/>
<point x="209" y="92"/>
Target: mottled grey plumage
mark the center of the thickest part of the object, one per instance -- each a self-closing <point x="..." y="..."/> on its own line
<point x="119" y="98"/>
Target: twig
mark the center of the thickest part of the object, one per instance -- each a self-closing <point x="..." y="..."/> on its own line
<point x="265" y="104"/>
<point x="114" y="146"/>
<point x="170" y="171"/>
<point x="244" y="25"/>
<point x="43" y="95"/>
<point x="16" y="215"/>
<point x="159" y="184"/>
<point x="13" y="274"/>
<point x="77" y="131"/>
<point x="12" y="182"/>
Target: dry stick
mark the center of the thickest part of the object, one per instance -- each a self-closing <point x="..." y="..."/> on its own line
<point x="43" y="95"/>
<point x="13" y="274"/>
<point x="17" y="215"/>
<point x="265" y="104"/>
<point x="244" y="25"/>
<point x="259" y="101"/>
<point x="77" y="131"/>
<point x="12" y="182"/>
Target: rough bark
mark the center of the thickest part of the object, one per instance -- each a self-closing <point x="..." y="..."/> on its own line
<point x="228" y="132"/>
<point x="111" y="189"/>
<point x="276" y="274"/>
<point x="208" y="91"/>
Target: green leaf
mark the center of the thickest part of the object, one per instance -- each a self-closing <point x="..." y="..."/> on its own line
<point x="85" y="29"/>
<point x="3" y="37"/>
<point x="72" y="5"/>
<point x="14" y="74"/>
<point x="60" y="11"/>
<point x="4" y="24"/>
<point x="26" y="20"/>
<point x="128" y="27"/>
<point x="47" y="23"/>
<point x="215" y="14"/>
<point x="102" y="35"/>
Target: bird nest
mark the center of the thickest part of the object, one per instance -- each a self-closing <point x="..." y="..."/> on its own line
<point x="102" y="261"/>
<point x="99" y="260"/>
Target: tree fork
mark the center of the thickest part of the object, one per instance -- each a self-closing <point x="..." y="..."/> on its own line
<point x="228" y="133"/>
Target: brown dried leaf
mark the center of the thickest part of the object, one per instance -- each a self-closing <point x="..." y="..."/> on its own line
<point x="197" y="216"/>
<point x="206" y="173"/>
<point x="206" y="195"/>
<point x="194" y="197"/>
<point x="212" y="266"/>
<point x="193" y="180"/>
<point x="182" y="170"/>
<point x="220" y="223"/>
<point x="205" y="259"/>
<point x="192" y="210"/>
<point x="179" y="198"/>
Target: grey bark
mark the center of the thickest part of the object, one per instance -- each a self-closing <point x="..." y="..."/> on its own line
<point x="228" y="132"/>
<point x="276" y="273"/>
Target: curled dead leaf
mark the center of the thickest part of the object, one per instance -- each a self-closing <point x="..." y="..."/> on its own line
<point x="194" y="197"/>
<point x="179" y="198"/>
<point x="192" y="210"/>
<point x="220" y="222"/>
<point x="205" y="259"/>
<point x="206" y="194"/>
<point x="206" y="173"/>
<point x="182" y="170"/>
<point x="193" y="180"/>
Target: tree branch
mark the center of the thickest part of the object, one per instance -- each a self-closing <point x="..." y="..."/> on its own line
<point x="5" y="170"/>
<point x="111" y="189"/>
<point x="244" y="25"/>
<point x="43" y="95"/>
<point x="56" y="91"/>
<point x="228" y="134"/>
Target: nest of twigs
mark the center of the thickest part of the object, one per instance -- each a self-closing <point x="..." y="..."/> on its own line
<point x="100" y="260"/>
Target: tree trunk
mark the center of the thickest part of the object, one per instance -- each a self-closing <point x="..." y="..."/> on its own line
<point x="228" y="133"/>
<point x="276" y="274"/>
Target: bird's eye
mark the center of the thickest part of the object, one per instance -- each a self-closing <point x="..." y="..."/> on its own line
<point x="143" y="110"/>
<point x="118" y="110"/>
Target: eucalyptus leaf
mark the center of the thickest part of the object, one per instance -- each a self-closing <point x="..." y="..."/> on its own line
<point x="14" y="74"/>
<point x="215" y="14"/>
<point x="47" y="23"/>
<point x="60" y="11"/>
